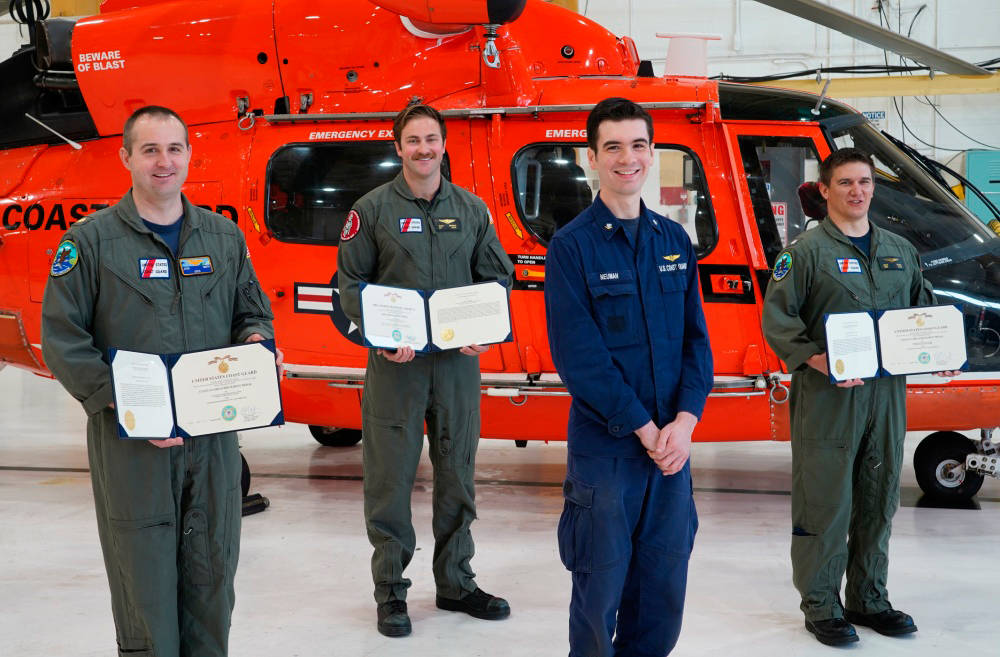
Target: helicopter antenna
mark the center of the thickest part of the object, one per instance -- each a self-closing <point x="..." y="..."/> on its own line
<point x="66" y="139"/>
<point x="822" y="97"/>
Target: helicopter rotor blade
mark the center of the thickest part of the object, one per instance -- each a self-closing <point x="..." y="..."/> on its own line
<point x="872" y="34"/>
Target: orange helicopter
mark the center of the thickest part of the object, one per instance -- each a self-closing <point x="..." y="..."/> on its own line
<point x="290" y="107"/>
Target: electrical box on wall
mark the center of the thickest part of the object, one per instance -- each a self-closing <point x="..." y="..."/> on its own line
<point x="982" y="168"/>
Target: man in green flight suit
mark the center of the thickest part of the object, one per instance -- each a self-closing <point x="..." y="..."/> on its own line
<point x="155" y="273"/>
<point x="847" y="438"/>
<point x="420" y="231"/>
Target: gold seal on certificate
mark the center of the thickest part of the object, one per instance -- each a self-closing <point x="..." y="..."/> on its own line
<point x="196" y="393"/>
<point x="448" y="318"/>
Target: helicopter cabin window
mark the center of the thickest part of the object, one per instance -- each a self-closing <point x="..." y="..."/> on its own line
<point x="311" y="187"/>
<point x="553" y="183"/>
<point x="775" y="168"/>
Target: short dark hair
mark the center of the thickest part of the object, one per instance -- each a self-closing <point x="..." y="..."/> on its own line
<point x="416" y="111"/>
<point x="841" y="157"/>
<point x="615" y="109"/>
<point x="153" y="111"/>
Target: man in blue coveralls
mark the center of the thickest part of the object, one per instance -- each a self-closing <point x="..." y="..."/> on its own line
<point x="628" y="337"/>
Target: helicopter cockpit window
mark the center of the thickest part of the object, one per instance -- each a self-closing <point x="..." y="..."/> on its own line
<point x="909" y="202"/>
<point x="553" y="183"/>
<point x="775" y="167"/>
<point x="311" y="187"/>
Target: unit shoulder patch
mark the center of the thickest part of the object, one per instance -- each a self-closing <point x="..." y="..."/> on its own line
<point x="782" y="266"/>
<point x="351" y="226"/>
<point x="67" y="255"/>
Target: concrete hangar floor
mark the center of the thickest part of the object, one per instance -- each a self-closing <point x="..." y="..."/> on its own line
<point x="303" y="584"/>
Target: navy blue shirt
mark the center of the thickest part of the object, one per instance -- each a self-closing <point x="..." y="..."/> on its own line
<point x="864" y="243"/>
<point x="626" y="328"/>
<point x="170" y="233"/>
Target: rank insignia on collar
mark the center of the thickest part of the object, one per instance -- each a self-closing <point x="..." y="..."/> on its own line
<point x="196" y="266"/>
<point x="447" y="225"/>
<point x="67" y="255"/>
<point x="672" y="257"/>
<point x="608" y="226"/>
<point x="782" y="266"/>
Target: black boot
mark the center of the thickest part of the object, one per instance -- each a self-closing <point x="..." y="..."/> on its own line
<point x="477" y="604"/>
<point x="889" y="622"/>
<point x="832" y="631"/>
<point x="393" y="619"/>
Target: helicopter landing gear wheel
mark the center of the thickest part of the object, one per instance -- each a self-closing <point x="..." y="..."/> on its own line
<point x="939" y="463"/>
<point x="334" y="437"/>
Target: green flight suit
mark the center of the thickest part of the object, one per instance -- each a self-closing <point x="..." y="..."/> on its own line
<point x="847" y="443"/>
<point x="168" y="519"/>
<point x="393" y="238"/>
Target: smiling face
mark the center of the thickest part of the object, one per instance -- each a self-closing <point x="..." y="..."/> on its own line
<point x="622" y="159"/>
<point x="158" y="160"/>
<point x="849" y="194"/>
<point x="421" y="148"/>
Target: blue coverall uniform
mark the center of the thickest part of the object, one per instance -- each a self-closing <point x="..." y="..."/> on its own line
<point x="628" y="338"/>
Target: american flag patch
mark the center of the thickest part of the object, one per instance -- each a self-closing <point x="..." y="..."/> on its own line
<point x="411" y="225"/>
<point x="848" y="266"/>
<point x="154" y="268"/>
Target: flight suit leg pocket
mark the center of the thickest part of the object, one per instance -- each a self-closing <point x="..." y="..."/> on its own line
<point x="196" y="555"/>
<point x="231" y="536"/>
<point x="576" y="527"/>
<point x="825" y="481"/>
<point x="146" y="558"/>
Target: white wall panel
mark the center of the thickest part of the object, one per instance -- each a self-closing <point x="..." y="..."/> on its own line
<point x="760" y="40"/>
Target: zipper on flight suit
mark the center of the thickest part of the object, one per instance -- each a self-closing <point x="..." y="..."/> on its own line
<point x="873" y="289"/>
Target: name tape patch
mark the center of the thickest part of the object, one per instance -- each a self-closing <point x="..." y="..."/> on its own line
<point x="154" y="268"/>
<point x="411" y="225"/>
<point x="848" y="266"/>
<point x="197" y="266"/>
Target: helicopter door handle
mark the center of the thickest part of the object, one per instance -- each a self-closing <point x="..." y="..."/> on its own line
<point x="533" y="170"/>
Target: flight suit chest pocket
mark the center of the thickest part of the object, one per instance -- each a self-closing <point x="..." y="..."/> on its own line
<point x="673" y="286"/>
<point x="615" y="298"/>
<point x="893" y="288"/>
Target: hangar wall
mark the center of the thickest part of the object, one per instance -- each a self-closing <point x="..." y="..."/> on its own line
<point x="760" y="40"/>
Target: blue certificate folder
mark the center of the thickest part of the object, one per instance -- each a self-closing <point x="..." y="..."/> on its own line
<point x="883" y="368"/>
<point x="147" y="408"/>
<point x="436" y="337"/>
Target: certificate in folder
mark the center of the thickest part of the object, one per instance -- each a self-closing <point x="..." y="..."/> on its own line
<point x="196" y="393"/>
<point x="918" y="340"/>
<point x="435" y="320"/>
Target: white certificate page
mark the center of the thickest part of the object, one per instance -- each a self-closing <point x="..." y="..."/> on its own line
<point x="393" y="317"/>
<point x="851" y="346"/>
<point x="471" y="314"/>
<point x="142" y="395"/>
<point x="226" y="389"/>
<point x="918" y="340"/>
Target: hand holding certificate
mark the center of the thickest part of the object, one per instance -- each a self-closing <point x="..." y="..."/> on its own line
<point x="196" y="393"/>
<point x="903" y="341"/>
<point x="435" y="320"/>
